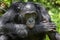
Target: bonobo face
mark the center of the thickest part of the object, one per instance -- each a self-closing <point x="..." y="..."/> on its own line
<point x="30" y="23"/>
<point x="29" y="14"/>
<point x="30" y="19"/>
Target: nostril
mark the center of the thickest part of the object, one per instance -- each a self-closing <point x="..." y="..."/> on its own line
<point x="30" y="21"/>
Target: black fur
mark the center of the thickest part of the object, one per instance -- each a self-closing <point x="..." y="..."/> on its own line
<point x="13" y="27"/>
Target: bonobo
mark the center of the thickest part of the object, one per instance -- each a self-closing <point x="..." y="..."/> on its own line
<point x="27" y="21"/>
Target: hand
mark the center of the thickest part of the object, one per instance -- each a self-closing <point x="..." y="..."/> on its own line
<point x="48" y="26"/>
<point x="21" y="30"/>
<point x="44" y="27"/>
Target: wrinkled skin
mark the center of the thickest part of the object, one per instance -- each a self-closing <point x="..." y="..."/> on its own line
<point x="14" y="25"/>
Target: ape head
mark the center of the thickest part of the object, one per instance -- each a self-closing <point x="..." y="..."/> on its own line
<point x="28" y="12"/>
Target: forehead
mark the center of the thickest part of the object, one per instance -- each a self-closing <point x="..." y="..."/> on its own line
<point x="28" y="8"/>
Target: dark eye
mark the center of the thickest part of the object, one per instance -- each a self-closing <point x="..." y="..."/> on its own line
<point x="34" y="15"/>
<point x="27" y="16"/>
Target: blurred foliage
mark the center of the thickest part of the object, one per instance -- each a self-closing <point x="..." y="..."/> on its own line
<point x="53" y="7"/>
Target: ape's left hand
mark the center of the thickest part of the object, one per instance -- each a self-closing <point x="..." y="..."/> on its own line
<point x="49" y="26"/>
<point x="45" y="27"/>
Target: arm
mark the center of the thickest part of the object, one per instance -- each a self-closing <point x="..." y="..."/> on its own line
<point x="42" y="20"/>
<point x="7" y="17"/>
<point x="17" y="29"/>
<point x="46" y="22"/>
<point x="6" y="23"/>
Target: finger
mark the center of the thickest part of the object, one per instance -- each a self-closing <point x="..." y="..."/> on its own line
<point x="51" y="27"/>
<point x="51" y="30"/>
<point x="52" y="24"/>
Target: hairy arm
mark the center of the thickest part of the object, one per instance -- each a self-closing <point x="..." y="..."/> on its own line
<point x="7" y="26"/>
<point x="45" y="21"/>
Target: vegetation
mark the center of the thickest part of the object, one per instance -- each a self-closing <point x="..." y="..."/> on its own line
<point x="53" y="7"/>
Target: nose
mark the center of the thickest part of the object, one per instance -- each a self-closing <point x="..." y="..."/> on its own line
<point x="30" y="21"/>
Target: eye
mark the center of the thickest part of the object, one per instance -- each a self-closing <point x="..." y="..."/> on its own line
<point x="27" y="16"/>
<point x="34" y="15"/>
